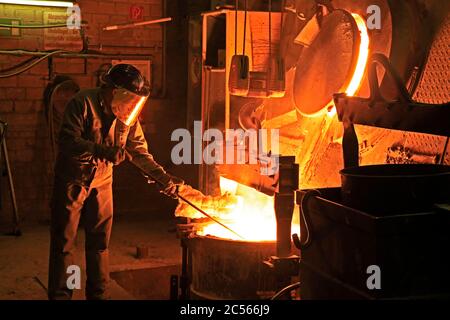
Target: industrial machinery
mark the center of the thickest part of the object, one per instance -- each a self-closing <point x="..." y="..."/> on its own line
<point x="387" y="216"/>
<point x="330" y="51"/>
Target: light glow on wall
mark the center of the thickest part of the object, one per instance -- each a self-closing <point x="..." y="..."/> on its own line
<point x="42" y="3"/>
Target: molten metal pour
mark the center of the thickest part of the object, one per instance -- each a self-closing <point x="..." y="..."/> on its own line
<point x="247" y="211"/>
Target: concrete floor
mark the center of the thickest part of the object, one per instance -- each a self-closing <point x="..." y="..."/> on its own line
<point x="24" y="260"/>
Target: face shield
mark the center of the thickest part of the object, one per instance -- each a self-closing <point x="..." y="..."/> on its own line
<point x="127" y="105"/>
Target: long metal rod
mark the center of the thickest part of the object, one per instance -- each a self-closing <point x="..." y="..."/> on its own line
<point x="11" y="183"/>
<point x="190" y="203"/>
<point x="136" y="24"/>
<point x="289" y="288"/>
<point x="39" y="282"/>
<point x="444" y="153"/>
<point x="207" y="215"/>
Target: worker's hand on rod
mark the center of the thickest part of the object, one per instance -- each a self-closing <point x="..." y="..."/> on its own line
<point x="113" y="154"/>
<point x="171" y="188"/>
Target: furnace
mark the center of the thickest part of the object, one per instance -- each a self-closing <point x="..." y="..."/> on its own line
<point x="215" y="259"/>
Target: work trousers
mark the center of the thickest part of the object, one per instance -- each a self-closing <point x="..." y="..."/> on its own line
<point x="69" y="203"/>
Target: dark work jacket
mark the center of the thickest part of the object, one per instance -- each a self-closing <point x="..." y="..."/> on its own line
<point x="81" y="130"/>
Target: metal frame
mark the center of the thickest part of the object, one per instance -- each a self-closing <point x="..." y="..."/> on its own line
<point x="3" y="128"/>
<point x="399" y="114"/>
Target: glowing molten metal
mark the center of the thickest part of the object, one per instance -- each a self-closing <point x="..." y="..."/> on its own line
<point x="363" y="54"/>
<point x="252" y="216"/>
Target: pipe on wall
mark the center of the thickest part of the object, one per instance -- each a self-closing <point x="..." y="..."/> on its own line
<point x="163" y="93"/>
<point x="78" y="55"/>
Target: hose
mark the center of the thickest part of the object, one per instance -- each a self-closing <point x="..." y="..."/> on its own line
<point x="305" y="216"/>
<point x="37" y="26"/>
<point x="3" y="132"/>
<point x="289" y="288"/>
<point x="31" y="65"/>
<point x="23" y="63"/>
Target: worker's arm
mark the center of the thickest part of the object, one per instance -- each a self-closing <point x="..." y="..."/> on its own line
<point x="137" y="148"/>
<point x="71" y="141"/>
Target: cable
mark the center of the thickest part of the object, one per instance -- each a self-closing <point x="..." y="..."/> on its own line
<point x="270" y="36"/>
<point x="50" y="113"/>
<point x="37" y="26"/>
<point x="245" y="26"/>
<point x="3" y="133"/>
<point x="285" y="290"/>
<point x="235" y="26"/>
<point x="305" y="217"/>
<point x="31" y="65"/>
<point x="23" y="63"/>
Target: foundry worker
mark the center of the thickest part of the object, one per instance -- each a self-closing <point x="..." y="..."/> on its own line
<point x="100" y="129"/>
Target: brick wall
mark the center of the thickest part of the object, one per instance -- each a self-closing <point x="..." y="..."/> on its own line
<point x="21" y="100"/>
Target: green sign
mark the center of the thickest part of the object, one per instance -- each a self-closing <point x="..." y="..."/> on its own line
<point x="10" y="32"/>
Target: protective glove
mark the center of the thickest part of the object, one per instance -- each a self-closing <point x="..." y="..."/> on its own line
<point x="114" y="154"/>
<point x="171" y="187"/>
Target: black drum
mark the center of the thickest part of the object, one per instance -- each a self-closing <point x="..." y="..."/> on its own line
<point x="391" y="189"/>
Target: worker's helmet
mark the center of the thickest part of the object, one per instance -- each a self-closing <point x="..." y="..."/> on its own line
<point x="126" y="76"/>
<point x="131" y="94"/>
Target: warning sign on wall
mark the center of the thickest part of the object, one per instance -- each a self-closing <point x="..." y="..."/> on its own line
<point x="66" y="38"/>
